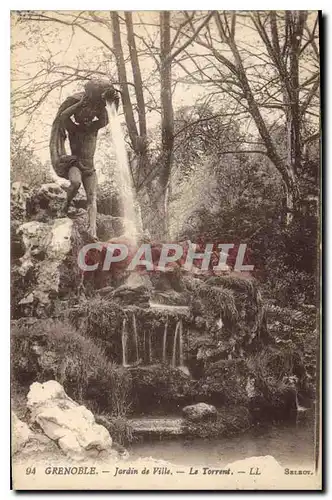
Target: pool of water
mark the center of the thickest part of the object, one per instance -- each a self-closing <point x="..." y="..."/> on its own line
<point x="288" y="444"/>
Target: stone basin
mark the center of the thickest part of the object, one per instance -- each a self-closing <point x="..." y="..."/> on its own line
<point x="157" y="426"/>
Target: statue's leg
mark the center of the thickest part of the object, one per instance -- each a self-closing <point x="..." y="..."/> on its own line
<point x="90" y="186"/>
<point x="75" y="177"/>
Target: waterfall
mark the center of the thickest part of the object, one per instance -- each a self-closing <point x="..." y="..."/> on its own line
<point x="164" y="341"/>
<point x="122" y="173"/>
<point x="150" y="348"/>
<point x="175" y="344"/>
<point x="181" y="344"/>
<point x="124" y="343"/>
<point x="135" y="336"/>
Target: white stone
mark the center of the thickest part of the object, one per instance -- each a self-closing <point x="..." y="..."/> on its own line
<point x="40" y="393"/>
<point x="71" y="425"/>
<point x="52" y="241"/>
<point x="199" y="411"/>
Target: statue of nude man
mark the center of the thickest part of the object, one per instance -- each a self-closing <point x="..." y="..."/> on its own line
<point x="90" y="115"/>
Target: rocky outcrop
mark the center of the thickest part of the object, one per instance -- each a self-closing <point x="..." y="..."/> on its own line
<point x="46" y="200"/>
<point x="200" y="412"/>
<point x="46" y="246"/>
<point x="72" y="426"/>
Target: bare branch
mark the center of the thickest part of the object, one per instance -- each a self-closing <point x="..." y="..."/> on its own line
<point x="191" y="39"/>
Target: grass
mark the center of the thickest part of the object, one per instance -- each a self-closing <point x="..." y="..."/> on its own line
<point x="55" y="350"/>
<point x="118" y="427"/>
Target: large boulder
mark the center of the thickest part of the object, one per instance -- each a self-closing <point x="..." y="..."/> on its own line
<point x="200" y="412"/>
<point x="71" y="425"/>
<point x="46" y="246"/>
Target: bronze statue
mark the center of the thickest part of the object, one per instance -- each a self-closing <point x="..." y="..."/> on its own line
<point x="88" y="109"/>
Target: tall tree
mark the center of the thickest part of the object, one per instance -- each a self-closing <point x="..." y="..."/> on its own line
<point x="275" y="80"/>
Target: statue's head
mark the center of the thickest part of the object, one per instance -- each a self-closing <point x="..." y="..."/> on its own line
<point x="97" y="93"/>
<point x="99" y="90"/>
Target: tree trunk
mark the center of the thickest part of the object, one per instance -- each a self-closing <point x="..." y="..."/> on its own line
<point x="137" y="75"/>
<point x="167" y="118"/>
<point x="121" y="67"/>
<point x="288" y="168"/>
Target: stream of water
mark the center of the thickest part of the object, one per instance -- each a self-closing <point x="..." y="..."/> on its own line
<point x="290" y="445"/>
<point x="122" y="173"/>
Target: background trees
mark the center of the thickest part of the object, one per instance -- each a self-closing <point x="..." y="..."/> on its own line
<point x="272" y="77"/>
<point x="25" y="165"/>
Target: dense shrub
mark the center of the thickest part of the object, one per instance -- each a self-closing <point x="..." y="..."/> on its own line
<point x="118" y="427"/>
<point x="241" y="200"/>
<point x="100" y="319"/>
<point x="286" y="260"/>
<point x="46" y="349"/>
<point x="279" y="375"/>
<point x="296" y="331"/>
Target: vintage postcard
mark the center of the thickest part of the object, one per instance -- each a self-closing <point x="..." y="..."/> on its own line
<point x="165" y="250"/>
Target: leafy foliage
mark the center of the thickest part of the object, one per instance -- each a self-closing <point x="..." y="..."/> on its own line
<point x="25" y="165"/>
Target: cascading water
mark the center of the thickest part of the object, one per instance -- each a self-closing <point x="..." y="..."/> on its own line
<point x="181" y="344"/>
<point x="175" y="344"/>
<point x="144" y="346"/>
<point x="135" y="337"/>
<point x="165" y="341"/>
<point x="122" y="173"/>
<point x="124" y="343"/>
<point x="150" y="348"/>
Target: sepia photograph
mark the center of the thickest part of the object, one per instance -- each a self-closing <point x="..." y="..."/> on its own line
<point x="165" y="244"/>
